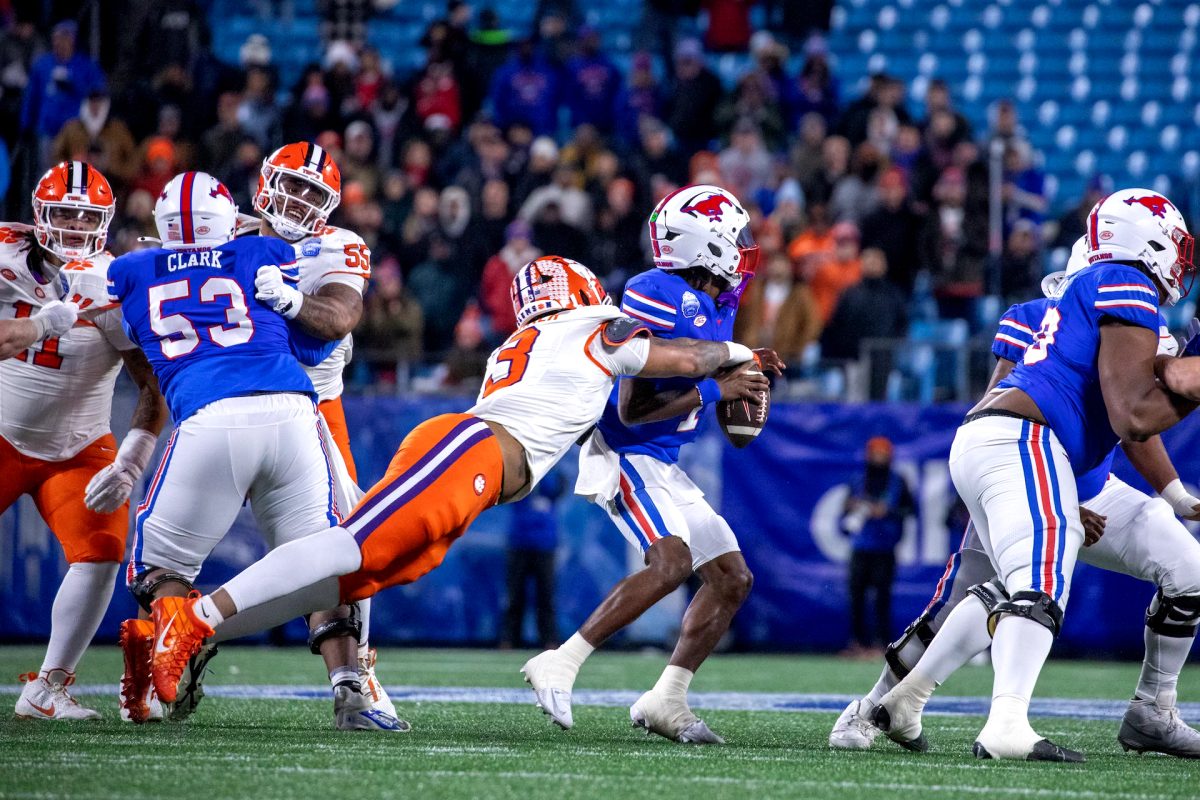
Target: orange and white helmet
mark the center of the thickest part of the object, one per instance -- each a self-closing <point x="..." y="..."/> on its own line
<point x="554" y="283"/>
<point x="703" y="226"/>
<point x="73" y="206"/>
<point x="1142" y="226"/>
<point x="298" y="188"/>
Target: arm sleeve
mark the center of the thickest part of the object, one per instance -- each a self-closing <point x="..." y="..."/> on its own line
<point x="1127" y="295"/>
<point x="653" y="307"/>
<point x="1014" y="334"/>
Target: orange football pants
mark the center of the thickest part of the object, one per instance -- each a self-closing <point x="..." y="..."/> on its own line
<point x="57" y="489"/>
<point x="335" y="420"/>
<point x="445" y="474"/>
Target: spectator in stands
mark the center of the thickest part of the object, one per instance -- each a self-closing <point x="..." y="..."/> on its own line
<point x="554" y="235"/>
<point x="746" y="165"/>
<point x="814" y="240"/>
<point x="642" y="98"/>
<point x="616" y="248"/>
<point x="1073" y="223"/>
<point x="487" y="52"/>
<point x="895" y="228"/>
<point x="594" y="87"/>
<point x="831" y="274"/>
<point x="526" y="90"/>
<point x="392" y="323"/>
<point x="1024" y="187"/>
<point x="241" y="173"/>
<point x="754" y="100"/>
<point x="436" y="93"/>
<point x="693" y="98"/>
<point x="158" y="166"/>
<point x="770" y="59"/>
<point x="874" y="515"/>
<point x="466" y="362"/>
<point x="883" y="93"/>
<point x="779" y="311"/>
<point x="662" y="21"/>
<point x="532" y="540"/>
<point x="817" y="90"/>
<point x="454" y="218"/>
<point x="954" y="247"/>
<point x="157" y="34"/>
<point x="258" y="115"/>
<point x="1006" y="126"/>
<point x="218" y="145"/>
<point x="574" y="205"/>
<point x="59" y="81"/>
<point x="313" y="113"/>
<point x="486" y="233"/>
<point x="835" y="165"/>
<point x="937" y="100"/>
<point x="855" y="194"/>
<point x="905" y="149"/>
<point x="494" y="294"/>
<point x="1021" y="263"/>
<point x="99" y="138"/>
<point x="417" y="162"/>
<point x="807" y="153"/>
<point x="935" y="157"/>
<point x="19" y="46"/>
<point x="440" y="289"/>
<point x="357" y="162"/>
<point x="656" y="155"/>
<point x="728" y="25"/>
<point x="871" y="309"/>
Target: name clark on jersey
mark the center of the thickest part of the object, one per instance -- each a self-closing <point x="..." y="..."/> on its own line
<point x="197" y="258"/>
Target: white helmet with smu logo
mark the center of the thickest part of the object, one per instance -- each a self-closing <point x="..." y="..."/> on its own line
<point x="703" y="226"/>
<point x="1142" y="226"/>
<point x="195" y="210"/>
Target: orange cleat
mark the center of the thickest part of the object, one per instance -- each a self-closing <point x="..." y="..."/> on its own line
<point x="178" y="635"/>
<point x="137" y="643"/>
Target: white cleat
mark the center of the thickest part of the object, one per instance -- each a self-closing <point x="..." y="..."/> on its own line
<point x="671" y="719"/>
<point x="899" y="712"/>
<point x="1154" y="726"/>
<point x="371" y="685"/>
<point x="352" y="711"/>
<point x="551" y="681"/>
<point x="1017" y="740"/>
<point x="43" y="698"/>
<point x="853" y="729"/>
<point x="152" y="702"/>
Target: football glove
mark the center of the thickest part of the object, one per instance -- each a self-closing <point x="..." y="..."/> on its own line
<point x="270" y="289"/>
<point x="110" y="487"/>
<point x="55" y="318"/>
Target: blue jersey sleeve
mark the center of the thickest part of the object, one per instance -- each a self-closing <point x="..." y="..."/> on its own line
<point x="1014" y="334"/>
<point x="1126" y="294"/>
<point x="651" y="303"/>
<point x="308" y="349"/>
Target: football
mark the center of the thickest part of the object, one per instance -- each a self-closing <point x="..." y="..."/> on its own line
<point x="742" y="420"/>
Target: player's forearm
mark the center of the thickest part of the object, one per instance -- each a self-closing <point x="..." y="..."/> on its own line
<point x="331" y="313"/>
<point x="16" y="335"/>
<point x="150" y="413"/>
<point x="1151" y="461"/>
<point x="691" y="358"/>
<point x="659" y="406"/>
<point x="1180" y="375"/>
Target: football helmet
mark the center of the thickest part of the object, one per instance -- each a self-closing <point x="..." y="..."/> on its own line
<point x="1055" y="282"/>
<point x="299" y="186"/>
<point x="73" y="206"/>
<point x="195" y="210"/>
<point x="1142" y="226"/>
<point x="703" y="226"/>
<point x="554" y="283"/>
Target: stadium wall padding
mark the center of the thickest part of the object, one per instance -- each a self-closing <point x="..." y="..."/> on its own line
<point x="782" y="495"/>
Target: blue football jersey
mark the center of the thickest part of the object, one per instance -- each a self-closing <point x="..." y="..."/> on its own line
<point x="194" y="314"/>
<point x="671" y="309"/>
<point x="1059" y="368"/>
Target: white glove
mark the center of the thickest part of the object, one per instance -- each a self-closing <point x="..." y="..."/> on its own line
<point x="55" y="318"/>
<point x="271" y="290"/>
<point x="1180" y="500"/>
<point x="110" y="487"/>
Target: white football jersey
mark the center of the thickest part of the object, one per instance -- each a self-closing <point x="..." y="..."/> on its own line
<point x="56" y="397"/>
<point x="335" y="256"/>
<point x="548" y="384"/>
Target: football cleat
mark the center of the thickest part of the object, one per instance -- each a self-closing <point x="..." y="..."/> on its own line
<point x="853" y="729"/>
<point x="352" y="711"/>
<point x="1016" y="739"/>
<point x="899" y="712"/>
<point x="46" y="697"/>
<point x="178" y="635"/>
<point x="137" y="683"/>
<point x="191" y="684"/>
<point x="1154" y="726"/>
<point x="551" y="682"/>
<point x="671" y="719"/>
<point x="371" y="685"/>
<point x="1042" y="750"/>
<point x="155" y="714"/>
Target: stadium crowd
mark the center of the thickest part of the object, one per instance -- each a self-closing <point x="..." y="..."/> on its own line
<point x="506" y="145"/>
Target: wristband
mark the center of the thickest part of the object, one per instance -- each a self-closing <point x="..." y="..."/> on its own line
<point x="738" y="354"/>
<point x="1180" y="500"/>
<point x="136" y="449"/>
<point x="710" y="391"/>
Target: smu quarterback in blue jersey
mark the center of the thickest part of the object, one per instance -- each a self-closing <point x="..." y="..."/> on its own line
<point x="670" y="308"/>
<point x="194" y="313"/>
<point x="1059" y="369"/>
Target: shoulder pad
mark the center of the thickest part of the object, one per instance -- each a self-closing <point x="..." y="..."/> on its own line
<point x="617" y="332"/>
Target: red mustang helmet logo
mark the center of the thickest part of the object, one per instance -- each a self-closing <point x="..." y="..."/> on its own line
<point x="1154" y="203"/>
<point x="709" y="207"/>
<point x="221" y="191"/>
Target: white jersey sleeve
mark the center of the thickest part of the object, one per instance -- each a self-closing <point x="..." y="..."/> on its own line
<point x="626" y="358"/>
<point x="335" y="256"/>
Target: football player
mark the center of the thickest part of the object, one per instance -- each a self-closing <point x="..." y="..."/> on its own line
<point x="244" y="411"/>
<point x="57" y="375"/>
<point x="1087" y="382"/>
<point x="544" y="388"/>
<point x="703" y="252"/>
<point x="1141" y="537"/>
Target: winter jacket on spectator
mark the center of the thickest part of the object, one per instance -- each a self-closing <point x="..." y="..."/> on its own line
<point x="779" y="311"/>
<point x="692" y="102"/>
<point x="494" y="290"/>
<point x="895" y="229"/>
<point x="872" y="309"/>
<point x="728" y="25"/>
<point x="593" y="91"/>
<point x="99" y="139"/>
<point x="526" y="90"/>
<point x="56" y="88"/>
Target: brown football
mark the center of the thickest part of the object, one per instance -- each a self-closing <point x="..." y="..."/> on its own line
<point x="743" y="421"/>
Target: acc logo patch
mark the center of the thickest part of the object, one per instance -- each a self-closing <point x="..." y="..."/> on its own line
<point x="700" y="320"/>
<point x="1106" y="235"/>
<point x="691" y="305"/>
<point x="311" y="248"/>
<point x="8" y="273"/>
<point x="480" y="484"/>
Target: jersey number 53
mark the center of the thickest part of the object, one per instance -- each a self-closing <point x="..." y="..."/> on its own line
<point x="178" y="336"/>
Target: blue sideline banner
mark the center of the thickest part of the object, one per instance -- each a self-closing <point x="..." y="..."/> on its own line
<point x="782" y="495"/>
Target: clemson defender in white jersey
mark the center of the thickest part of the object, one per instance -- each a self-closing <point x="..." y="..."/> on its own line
<point x="545" y="387"/>
<point x="55" y="405"/>
<point x="299" y="186"/>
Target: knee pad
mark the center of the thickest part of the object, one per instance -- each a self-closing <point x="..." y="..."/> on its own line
<point x="142" y="587"/>
<point x="1032" y="605"/>
<point x="349" y="625"/>
<point x="919" y="630"/>
<point x="1177" y="617"/>
<point x="991" y="593"/>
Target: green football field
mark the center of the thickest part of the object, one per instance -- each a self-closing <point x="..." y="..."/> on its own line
<point x="265" y="732"/>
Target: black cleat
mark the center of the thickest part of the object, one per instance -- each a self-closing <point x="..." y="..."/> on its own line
<point x="191" y="684"/>
<point x="881" y="719"/>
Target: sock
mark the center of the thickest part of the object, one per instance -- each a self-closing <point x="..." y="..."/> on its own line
<point x="882" y="686"/>
<point x="79" y="606"/>
<point x="1019" y="650"/>
<point x="345" y="676"/>
<point x="962" y="636"/>
<point x="291" y="568"/>
<point x="364" y="640"/>
<point x="207" y="610"/>
<point x="674" y="682"/>
<point x="575" y="651"/>
<point x="1165" y="657"/>
<point x="315" y="597"/>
